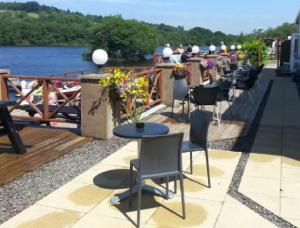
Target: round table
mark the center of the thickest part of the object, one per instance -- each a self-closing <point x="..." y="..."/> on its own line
<point x="130" y="131"/>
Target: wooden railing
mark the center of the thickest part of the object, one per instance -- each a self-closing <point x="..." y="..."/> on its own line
<point x="72" y="74"/>
<point x="43" y="111"/>
<point x="45" y="85"/>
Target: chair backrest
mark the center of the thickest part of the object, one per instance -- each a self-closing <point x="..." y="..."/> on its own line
<point x="224" y="88"/>
<point x="205" y="95"/>
<point x="160" y="155"/>
<point x="200" y="121"/>
<point x="180" y="89"/>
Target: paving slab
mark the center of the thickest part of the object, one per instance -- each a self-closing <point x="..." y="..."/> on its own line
<point x="42" y="216"/>
<point x="235" y="214"/>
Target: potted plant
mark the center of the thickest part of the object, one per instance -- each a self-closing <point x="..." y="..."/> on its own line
<point x="179" y="72"/>
<point x="256" y="52"/>
<point x="130" y="90"/>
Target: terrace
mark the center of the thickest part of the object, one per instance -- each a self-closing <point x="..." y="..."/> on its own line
<point x="254" y="164"/>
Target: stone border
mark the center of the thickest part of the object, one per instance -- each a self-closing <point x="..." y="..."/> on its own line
<point x="245" y="144"/>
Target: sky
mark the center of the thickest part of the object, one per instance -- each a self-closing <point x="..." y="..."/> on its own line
<point x="229" y="16"/>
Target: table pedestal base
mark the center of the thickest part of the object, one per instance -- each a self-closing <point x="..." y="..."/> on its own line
<point x="157" y="191"/>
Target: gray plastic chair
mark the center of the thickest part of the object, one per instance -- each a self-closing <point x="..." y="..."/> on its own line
<point x="207" y="95"/>
<point x="160" y="156"/>
<point x="181" y="92"/>
<point x="198" y="138"/>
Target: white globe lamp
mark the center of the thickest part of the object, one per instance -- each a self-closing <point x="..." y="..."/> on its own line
<point x="195" y="49"/>
<point x="223" y="47"/>
<point x="232" y="47"/>
<point x="99" y="57"/>
<point x="167" y="52"/>
<point x="239" y="47"/>
<point x="212" y="48"/>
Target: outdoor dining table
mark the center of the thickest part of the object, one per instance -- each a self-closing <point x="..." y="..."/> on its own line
<point x="130" y="131"/>
<point x="10" y="128"/>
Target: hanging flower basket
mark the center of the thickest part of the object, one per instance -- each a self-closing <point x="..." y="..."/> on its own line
<point x="128" y="90"/>
<point x="179" y="72"/>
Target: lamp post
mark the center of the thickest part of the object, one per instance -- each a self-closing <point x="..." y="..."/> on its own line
<point x="99" y="57"/>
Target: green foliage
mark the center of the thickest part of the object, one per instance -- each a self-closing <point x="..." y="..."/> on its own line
<point x="282" y="31"/>
<point x="125" y="38"/>
<point x="256" y="52"/>
<point x="33" y="24"/>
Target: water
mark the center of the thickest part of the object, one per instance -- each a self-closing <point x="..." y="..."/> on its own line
<point x="44" y="61"/>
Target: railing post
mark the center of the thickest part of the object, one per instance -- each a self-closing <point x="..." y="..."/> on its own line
<point x="46" y="99"/>
<point x="3" y="84"/>
<point x="166" y="82"/>
<point x="196" y="75"/>
<point x="98" y="111"/>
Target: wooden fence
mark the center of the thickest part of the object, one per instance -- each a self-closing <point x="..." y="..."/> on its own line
<point x="45" y="112"/>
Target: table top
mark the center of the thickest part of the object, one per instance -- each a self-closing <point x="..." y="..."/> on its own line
<point x="4" y="104"/>
<point x="131" y="132"/>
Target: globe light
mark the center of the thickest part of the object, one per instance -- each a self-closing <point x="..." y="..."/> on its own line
<point x="223" y="47"/>
<point x="232" y="47"/>
<point x="99" y="57"/>
<point x="167" y="52"/>
<point x="212" y="48"/>
<point x="239" y="47"/>
<point x="195" y="49"/>
<point x="289" y="37"/>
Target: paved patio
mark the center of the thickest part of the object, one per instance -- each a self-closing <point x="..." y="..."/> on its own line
<point x="256" y="190"/>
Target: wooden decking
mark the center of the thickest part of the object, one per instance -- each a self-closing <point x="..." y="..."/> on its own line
<point x="42" y="144"/>
<point x="236" y="120"/>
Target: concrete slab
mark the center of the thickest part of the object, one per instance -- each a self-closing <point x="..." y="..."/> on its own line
<point x="235" y="214"/>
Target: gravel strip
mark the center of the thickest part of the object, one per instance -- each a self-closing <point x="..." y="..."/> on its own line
<point x="35" y="185"/>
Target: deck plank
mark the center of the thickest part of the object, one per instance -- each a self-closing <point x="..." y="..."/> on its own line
<point x="43" y="145"/>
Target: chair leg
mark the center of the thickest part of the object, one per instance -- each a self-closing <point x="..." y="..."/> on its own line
<point x="175" y="184"/>
<point x="207" y="168"/>
<point x="218" y="115"/>
<point x="139" y="201"/>
<point x="167" y="188"/>
<point x="188" y="113"/>
<point x="130" y="184"/>
<point x="182" y="196"/>
<point x="220" y="111"/>
<point x="229" y="107"/>
<point x="172" y="109"/>
<point x="191" y="162"/>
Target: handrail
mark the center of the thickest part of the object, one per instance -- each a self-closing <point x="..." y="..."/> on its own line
<point x="47" y="84"/>
<point x="40" y="78"/>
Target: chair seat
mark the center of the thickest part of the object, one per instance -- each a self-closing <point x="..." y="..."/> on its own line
<point x="188" y="146"/>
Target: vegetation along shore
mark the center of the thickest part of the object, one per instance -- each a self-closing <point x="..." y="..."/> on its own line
<point x="27" y="24"/>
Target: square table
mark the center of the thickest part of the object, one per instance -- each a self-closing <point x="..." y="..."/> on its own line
<point x="10" y="127"/>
